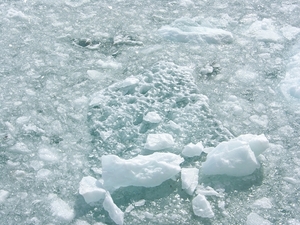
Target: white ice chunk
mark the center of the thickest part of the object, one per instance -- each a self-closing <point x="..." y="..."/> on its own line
<point x="95" y="75"/>
<point x="187" y="30"/>
<point x="264" y="31"/>
<point x="148" y="171"/>
<point x="157" y="142"/>
<point x="264" y="203"/>
<point x="61" y="209"/>
<point x="91" y="189"/>
<point x="109" y="64"/>
<point x="201" y="207"/>
<point x="3" y="196"/>
<point x="47" y="155"/>
<point x="192" y="150"/>
<point x="114" y="212"/>
<point x="236" y="157"/>
<point x="152" y="117"/>
<point x="189" y="179"/>
<point x="255" y="219"/>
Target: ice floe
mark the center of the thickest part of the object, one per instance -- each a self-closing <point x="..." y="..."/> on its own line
<point x="91" y="189"/>
<point x="157" y="142"/>
<point x="192" y="150"/>
<point x="114" y="212"/>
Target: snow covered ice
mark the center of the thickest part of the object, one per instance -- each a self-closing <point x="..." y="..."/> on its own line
<point x="191" y="106"/>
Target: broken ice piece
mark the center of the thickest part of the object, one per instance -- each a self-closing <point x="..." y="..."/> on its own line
<point x="113" y="210"/>
<point x="152" y="117"/>
<point x="192" y="150"/>
<point x="189" y="179"/>
<point x="201" y="207"/>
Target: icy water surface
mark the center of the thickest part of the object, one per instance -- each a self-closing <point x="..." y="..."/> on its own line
<point x="78" y="77"/>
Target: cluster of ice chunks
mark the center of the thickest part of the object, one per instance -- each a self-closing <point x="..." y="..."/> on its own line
<point x="236" y="157"/>
<point x="163" y="99"/>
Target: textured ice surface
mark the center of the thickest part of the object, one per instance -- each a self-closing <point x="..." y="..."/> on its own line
<point x="236" y="157"/>
<point x="116" y="113"/>
<point x="60" y="209"/>
<point x="147" y="171"/>
<point x="3" y="196"/>
<point x="201" y="207"/>
<point x="189" y="179"/>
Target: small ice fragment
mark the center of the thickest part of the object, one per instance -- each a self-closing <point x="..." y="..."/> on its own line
<point x="258" y="143"/>
<point x="128" y="82"/>
<point x="43" y="174"/>
<point x="91" y="189"/>
<point x="157" y="142"/>
<point x="20" y="148"/>
<point x="207" y="191"/>
<point x="114" y="212"/>
<point x="264" y="203"/>
<point x="140" y="203"/>
<point x="192" y="150"/>
<point x="152" y="117"/>
<point x="189" y="179"/>
<point x="61" y="209"/>
<point x="255" y="219"/>
<point x="3" y="196"/>
<point x="201" y="207"/>
<point x="147" y="171"/>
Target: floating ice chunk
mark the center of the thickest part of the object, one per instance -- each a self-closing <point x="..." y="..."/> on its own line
<point x="189" y="179"/>
<point x="3" y="196"/>
<point x="260" y="120"/>
<point x="95" y="75"/>
<point x="152" y="117"/>
<point x="236" y="157"/>
<point x="264" y="203"/>
<point x="187" y="30"/>
<point x="43" y="174"/>
<point x="128" y="82"/>
<point x="109" y="64"/>
<point x="91" y="189"/>
<point x="61" y="209"/>
<point x="255" y="219"/>
<point x="47" y="155"/>
<point x="114" y="212"/>
<point x="264" y="31"/>
<point x="147" y="171"/>
<point x="157" y="142"/>
<point x="201" y="207"/>
<point x="192" y="150"/>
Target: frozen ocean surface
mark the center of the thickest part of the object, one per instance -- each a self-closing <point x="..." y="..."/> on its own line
<point x="149" y="112"/>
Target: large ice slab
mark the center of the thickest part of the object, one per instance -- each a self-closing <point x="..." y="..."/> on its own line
<point x="157" y="142"/>
<point x="187" y="30"/>
<point x="236" y="157"/>
<point x="202" y="207"/>
<point x="147" y="171"/>
<point x="91" y="189"/>
<point x="113" y="210"/>
<point x="189" y="179"/>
